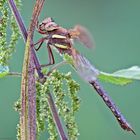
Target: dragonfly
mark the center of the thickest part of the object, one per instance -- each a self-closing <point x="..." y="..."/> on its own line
<point x="62" y="39"/>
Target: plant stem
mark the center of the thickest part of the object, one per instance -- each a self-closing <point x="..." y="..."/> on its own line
<point x="38" y="68"/>
<point x="24" y="33"/>
<point x="18" y="19"/>
<point x="55" y="117"/>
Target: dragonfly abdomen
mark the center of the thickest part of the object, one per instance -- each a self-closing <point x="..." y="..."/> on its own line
<point x="122" y="121"/>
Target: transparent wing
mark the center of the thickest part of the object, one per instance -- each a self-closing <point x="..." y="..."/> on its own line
<point x="84" y="68"/>
<point x="81" y="34"/>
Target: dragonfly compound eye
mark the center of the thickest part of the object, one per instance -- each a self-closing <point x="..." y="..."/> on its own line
<point x="52" y="20"/>
<point x="42" y="27"/>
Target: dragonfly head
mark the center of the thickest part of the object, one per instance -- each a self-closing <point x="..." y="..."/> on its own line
<point x="47" y="25"/>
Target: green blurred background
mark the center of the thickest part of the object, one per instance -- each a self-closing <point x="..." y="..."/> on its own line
<point x="115" y="25"/>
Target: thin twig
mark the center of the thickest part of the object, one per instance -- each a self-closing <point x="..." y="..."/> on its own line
<point x="56" y="66"/>
<point x="17" y="74"/>
<point x="55" y="117"/>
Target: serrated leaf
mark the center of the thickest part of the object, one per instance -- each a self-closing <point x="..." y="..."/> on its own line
<point x="121" y="77"/>
<point x="4" y="70"/>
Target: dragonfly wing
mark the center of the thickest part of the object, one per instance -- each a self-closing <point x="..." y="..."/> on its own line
<point x="81" y="34"/>
<point x="84" y="68"/>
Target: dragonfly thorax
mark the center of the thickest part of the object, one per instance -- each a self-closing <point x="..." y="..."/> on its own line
<point x="59" y="38"/>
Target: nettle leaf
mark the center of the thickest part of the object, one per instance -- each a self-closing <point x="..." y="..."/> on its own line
<point x="114" y="79"/>
<point x="121" y="77"/>
<point x="131" y="73"/>
<point x="4" y="70"/>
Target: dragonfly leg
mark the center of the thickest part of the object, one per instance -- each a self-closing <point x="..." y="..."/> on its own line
<point x="123" y="123"/>
<point x="50" y="57"/>
<point x="50" y="54"/>
<point x="40" y="42"/>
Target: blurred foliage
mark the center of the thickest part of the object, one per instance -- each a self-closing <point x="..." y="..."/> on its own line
<point x="7" y="24"/>
<point x="4" y="70"/>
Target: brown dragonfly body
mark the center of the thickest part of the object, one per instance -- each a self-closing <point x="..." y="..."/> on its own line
<point x="62" y="40"/>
